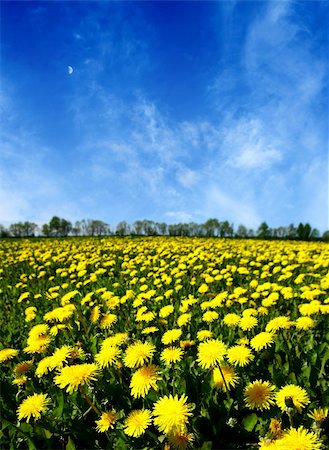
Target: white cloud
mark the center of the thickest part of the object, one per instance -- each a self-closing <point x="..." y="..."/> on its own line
<point x="248" y="146"/>
<point x="179" y="216"/>
<point x="188" y="178"/>
<point x="223" y="205"/>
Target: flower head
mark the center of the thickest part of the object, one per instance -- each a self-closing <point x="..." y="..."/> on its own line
<point x="262" y="340"/>
<point x="138" y="353"/>
<point x="259" y="395"/>
<point x="171" y="336"/>
<point x="137" y="422"/>
<point x="7" y="353"/>
<point x="106" y="421"/>
<point x="230" y="378"/>
<point x="319" y="414"/>
<point x="74" y="376"/>
<point x="107" y="356"/>
<point x="210" y="353"/>
<point x="181" y="440"/>
<point x="171" y="355"/>
<point x="292" y="394"/>
<point x="33" y="406"/>
<point x="300" y="439"/>
<point x="248" y="322"/>
<point x="239" y="355"/>
<point x="171" y="414"/>
<point x="143" y="380"/>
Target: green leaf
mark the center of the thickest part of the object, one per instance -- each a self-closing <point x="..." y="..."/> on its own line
<point x="250" y="421"/>
<point x="70" y="445"/>
<point x="206" y="445"/>
<point x="58" y="412"/>
<point x="323" y="362"/>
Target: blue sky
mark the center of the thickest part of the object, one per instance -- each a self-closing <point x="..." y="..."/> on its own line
<point x="175" y="111"/>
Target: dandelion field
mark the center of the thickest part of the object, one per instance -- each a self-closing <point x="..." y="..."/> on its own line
<point x="164" y="343"/>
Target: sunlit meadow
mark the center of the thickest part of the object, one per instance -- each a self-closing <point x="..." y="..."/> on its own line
<point x="164" y="343"/>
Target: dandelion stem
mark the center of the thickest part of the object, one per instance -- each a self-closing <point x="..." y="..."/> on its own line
<point x="224" y="381"/>
<point x="89" y="401"/>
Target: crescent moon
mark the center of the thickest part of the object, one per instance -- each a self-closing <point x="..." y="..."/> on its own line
<point x="70" y="70"/>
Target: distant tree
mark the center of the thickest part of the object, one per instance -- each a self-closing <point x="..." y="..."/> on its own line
<point x="291" y="231"/>
<point x="148" y="227"/>
<point x="263" y="231"/>
<point x="242" y="231"/>
<point x="45" y="230"/>
<point x="304" y="231"/>
<point x="162" y="228"/>
<point x="57" y="227"/>
<point x="279" y="232"/>
<point x="4" y="232"/>
<point x="325" y="236"/>
<point x="211" y="227"/>
<point x="137" y="227"/>
<point x="225" y="229"/>
<point x="315" y="233"/>
<point x="122" y="228"/>
<point x="23" y="229"/>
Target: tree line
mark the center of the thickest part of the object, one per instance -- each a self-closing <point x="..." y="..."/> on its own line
<point x="59" y="227"/>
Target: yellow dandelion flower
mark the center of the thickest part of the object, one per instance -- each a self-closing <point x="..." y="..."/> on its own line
<point x="95" y="314"/>
<point x="137" y="422"/>
<point x="259" y="395"/>
<point x="19" y="381"/>
<point x="239" y="355"/>
<point x="150" y="330"/>
<point x="106" y="421"/>
<point x="292" y="395"/>
<point x="202" y="335"/>
<point x="171" y="414"/>
<point x="7" y="353"/>
<point x="30" y="313"/>
<point x="243" y="341"/>
<point x="37" y="344"/>
<point x="171" y="355"/>
<point x="115" y="340"/>
<point x="308" y="309"/>
<point x="203" y="288"/>
<point x="319" y="415"/>
<point x="56" y="328"/>
<point x="210" y="316"/>
<point x="38" y="330"/>
<point x="138" y="353"/>
<point x="248" y="322"/>
<point x="280" y="322"/>
<point x="23" y="367"/>
<point x="60" y="356"/>
<point x="108" y="320"/>
<point x="231" y="319"/>
<point x="181" y="440"/>
<point x="171" y="336"/>
<point x="60" y="314"/>
<point x="300" y="439"/>
<point x="74" y="376"/>
<point x="305" y="323"/>
<point x="44" y="366"/>
<point x="33" y="406"/>
<point x="275" y="428"/>
<point x="210" y="353"/>
<point x="184" y="319"/>
<point x="230" y="378"/>
<point x="262" y="340"/>
<point x="166" y="311"/>
<point x="107" y="356"/>
<point x="186" y="344"/>
<point x="143" y="380"/>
